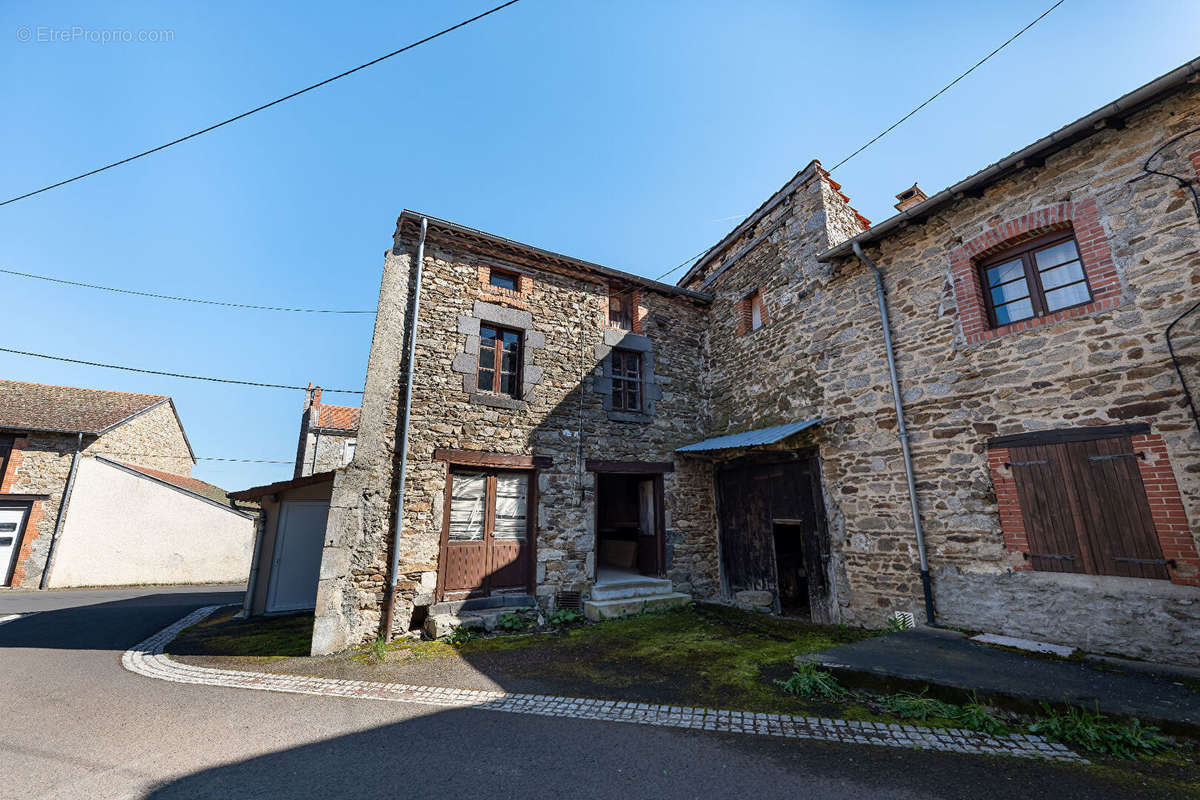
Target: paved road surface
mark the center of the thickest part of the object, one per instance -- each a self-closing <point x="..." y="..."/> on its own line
<point x="76" y="725"/>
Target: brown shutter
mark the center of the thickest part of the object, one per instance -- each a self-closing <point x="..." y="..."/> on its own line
<point x="1117" y="529"/>
<point x="1046" y="508"/>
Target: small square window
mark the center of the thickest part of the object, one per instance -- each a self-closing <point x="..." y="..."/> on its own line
<point x="503" y="279"/>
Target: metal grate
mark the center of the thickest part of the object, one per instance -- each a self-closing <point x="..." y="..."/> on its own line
<point x="572" y="600"/>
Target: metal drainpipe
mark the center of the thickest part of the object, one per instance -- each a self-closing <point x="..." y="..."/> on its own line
<point x="393" y="573"/>
<point x="62" y="513"/>
<point x="260" y="529"/>
<point x="902" y="430"/>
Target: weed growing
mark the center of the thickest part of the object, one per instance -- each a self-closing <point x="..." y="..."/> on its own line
<point x="813" y="682"/>
<point x="1098" y="733"/>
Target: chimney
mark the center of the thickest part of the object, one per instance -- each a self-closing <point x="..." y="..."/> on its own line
<point x="312" y="397"/>
<point x="910" y="197"/>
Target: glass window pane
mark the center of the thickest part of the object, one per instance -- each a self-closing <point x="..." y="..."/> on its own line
<point x="487" y="334"/>
<point x="1010" y="291"/>
<point x="468" y="494"/>
<point x="1052" y="256"/>
<point x="503" y="280"/>
<point x="511" y="513"/>
<point x="618" y="395"/>
<point x="487" y="380"/>
<point x="1071" y="272"/>
<point x="508" y="384"/>
<point x="1003" y="273"/>
<point x="508" y="362"/>
<point x="631" y="401"/>
<point x="1067" y="296"/>
<point x="511" y="338"/>
<point x="1013" y="312"/>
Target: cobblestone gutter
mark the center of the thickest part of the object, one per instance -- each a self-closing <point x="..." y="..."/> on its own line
<point x="147" y="659"/>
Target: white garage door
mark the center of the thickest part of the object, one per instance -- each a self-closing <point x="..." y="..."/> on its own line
<point x="297" y="559"/>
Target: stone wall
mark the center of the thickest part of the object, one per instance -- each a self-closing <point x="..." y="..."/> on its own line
<point x="822" y="354"/>
<point x="152" y="439"/>
<point x="325" y="450"/>
<point x="566" y="317"/>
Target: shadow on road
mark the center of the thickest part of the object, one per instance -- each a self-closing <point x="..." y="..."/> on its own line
<point x="114" y="625"/>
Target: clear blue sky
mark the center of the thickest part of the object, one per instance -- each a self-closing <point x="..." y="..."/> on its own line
<point x="628" y="133"/>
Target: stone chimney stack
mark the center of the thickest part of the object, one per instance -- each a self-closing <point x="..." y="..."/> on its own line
<point x="910" y="197"/>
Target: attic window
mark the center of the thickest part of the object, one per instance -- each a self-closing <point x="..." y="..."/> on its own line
<point x="503" y="279"/>
<point x="752" y="312"/>
<point x="620" y="309"/>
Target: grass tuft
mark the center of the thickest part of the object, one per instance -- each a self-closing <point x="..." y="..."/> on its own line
<point x="1100" y="734"/>
<point x="812" y="682"/>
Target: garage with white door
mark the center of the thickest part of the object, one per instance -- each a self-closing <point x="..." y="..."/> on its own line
<point x="287" y="553"/>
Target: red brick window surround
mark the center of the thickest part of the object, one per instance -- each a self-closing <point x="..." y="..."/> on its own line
<point x="497" y="282"/>
<point x="1162" y="491"/>
<point x="625" y="310"/>
<point x="1082" y="219"/>
<point x="751" y="312"/>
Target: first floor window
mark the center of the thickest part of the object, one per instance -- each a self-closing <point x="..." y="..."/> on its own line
<point x="1035" y="279"/>
<point x="499" y="361"/>
<point x="626" y="380"/>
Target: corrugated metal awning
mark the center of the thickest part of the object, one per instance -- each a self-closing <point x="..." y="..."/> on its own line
<point x="750" y="438"/>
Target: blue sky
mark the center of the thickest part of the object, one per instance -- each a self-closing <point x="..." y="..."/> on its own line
<point x="633" y="134"/>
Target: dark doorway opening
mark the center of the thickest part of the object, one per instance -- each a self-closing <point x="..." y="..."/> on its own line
<point x="628" y="525"/>
<point x="791" y="569"/>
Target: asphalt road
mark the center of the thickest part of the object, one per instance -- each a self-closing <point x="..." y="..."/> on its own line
<point x="76" y="725"/>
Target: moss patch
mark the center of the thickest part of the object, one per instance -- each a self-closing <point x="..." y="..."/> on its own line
<point x="260" y="637"/>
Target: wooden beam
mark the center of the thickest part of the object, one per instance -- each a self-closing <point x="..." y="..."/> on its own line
<point x="478" y="458"/>
<point x="631" y="467"/>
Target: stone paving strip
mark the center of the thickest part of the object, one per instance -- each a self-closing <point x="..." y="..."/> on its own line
<point x="147" y="659"/>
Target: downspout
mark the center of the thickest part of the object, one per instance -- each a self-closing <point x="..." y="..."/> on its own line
<point x="260" y="527"/>
<point x="62" y="512"/>
<point x="393" y="572"/>
<point x="901" y="430"/>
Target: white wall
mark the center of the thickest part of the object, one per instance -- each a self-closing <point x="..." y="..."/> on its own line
<point x="122" y="528"/>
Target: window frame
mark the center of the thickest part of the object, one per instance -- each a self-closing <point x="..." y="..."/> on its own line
<point x="757" y="304"/>
<point x="627" y="382"/>
<point x="1026" y="252"/>
<point x="507" y="273"/>
<point x="625" y="312"/>
<point x="495" y="367"/>
<point x="7" y="444"/>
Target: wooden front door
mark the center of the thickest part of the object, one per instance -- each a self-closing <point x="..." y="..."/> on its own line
<point x="754" y="496"/>
<point x="1085" y="509"/>
<point x="487" y="533"/>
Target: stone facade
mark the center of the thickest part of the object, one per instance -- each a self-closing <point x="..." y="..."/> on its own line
<point x="41" y="462"/>
<point x="819" y="354"/>
<point x="328" y="435"/>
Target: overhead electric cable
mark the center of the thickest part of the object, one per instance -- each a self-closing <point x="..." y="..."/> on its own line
<point x="178" y="298"/>
<point x="264" y="106"/>
<point x="172" y="374"/>
<point x="945" y="88"/>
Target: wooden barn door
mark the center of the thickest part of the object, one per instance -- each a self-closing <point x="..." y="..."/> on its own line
<point x="486" y="536"/>
<point x="1085" y="508"/>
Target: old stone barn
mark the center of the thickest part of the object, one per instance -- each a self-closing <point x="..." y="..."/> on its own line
<point x="1030" y="464"/>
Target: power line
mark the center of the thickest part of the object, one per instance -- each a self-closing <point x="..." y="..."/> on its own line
<point x="180" y="299"/>
<point x="683" y="264"/>
<point x="198" y="458"/>
<point x="264" y="106"/>
<point x="897" y="124"/>
<point x="172" y="374"/>
<point x="945" y="88"/>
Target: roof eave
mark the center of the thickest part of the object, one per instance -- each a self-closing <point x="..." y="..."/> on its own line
<point x="537" y="252"/>
<point x="1063" y="137"/>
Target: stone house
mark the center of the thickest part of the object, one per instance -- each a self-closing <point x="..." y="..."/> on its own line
<point x="96" y="489"/>
<point x="968" y="412"/>
<point x="328" y="434"/>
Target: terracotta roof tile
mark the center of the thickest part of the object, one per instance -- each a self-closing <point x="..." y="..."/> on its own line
<point x="36" y="406"/>
<point x="183" y="482"/>
<point x="340" y="417"/>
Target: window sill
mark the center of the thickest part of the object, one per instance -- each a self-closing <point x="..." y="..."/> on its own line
<point x="987" y="334"/>
<point x="630" y="416"/>
<point x="498" y="401"/>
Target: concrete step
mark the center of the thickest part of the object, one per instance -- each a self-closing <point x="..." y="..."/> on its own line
<point x="597" y="610"/>
<point x="473" y="605"/>
<point x="631" y="587"/>
<point x="487" y="619"/>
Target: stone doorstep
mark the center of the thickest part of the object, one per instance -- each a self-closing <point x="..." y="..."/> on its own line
<point x="633" y="587"/>
<point x="597" y="610"/>
<point x="479" y="604"/>
<point x="439" y="625"/>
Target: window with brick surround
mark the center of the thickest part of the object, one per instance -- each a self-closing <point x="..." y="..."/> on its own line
<point x="752" y="312"/>
<point x="620" y="309"/>
<point x="626" y="380"/>
<point x="503" y="279"/>
<point x="499" y="361"/>
<point x="1034" y="279"/>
